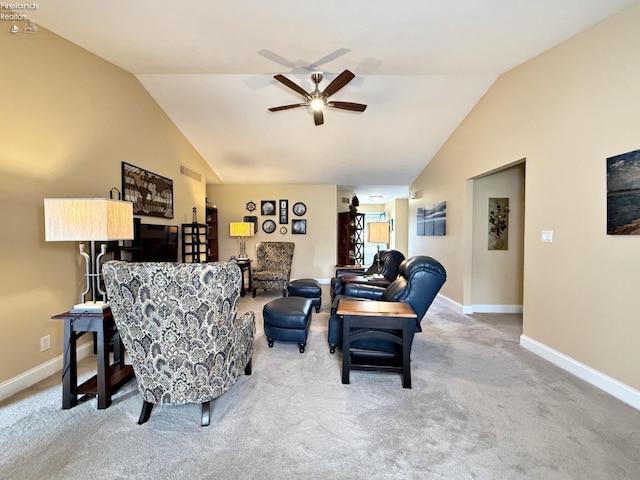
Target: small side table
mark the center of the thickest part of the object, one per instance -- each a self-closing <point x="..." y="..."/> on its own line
<point x="109" y="377"/>
<point x="373" y="319"/>
<point x="245" y="266"/>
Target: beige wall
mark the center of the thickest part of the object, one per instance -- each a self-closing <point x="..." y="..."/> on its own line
<point x="565" y="111"/>
<point x="68" y="121"/>
<point x="315" y="252"/>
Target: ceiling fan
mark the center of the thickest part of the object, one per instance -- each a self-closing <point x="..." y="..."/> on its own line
<point x="317" y="100"/>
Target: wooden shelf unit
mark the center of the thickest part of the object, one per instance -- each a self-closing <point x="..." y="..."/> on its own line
<point x="350" y="238"/>
<point x="212" y="234"/>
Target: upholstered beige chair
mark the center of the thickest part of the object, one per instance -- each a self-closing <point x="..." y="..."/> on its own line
<point x="273" y="266"/>
<point x="179" y="326"/>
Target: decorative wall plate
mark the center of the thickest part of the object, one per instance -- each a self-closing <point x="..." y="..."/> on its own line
<point x="299" y="209"/>
<point x="283" y="230"/>
<point x="268" y="226"/>
<point x="251" y="206"/>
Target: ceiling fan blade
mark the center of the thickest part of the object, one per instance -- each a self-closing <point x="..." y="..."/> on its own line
<point x="318" y="117"/>
<point x="287" y="107"/>
<point x="274" y="57"/>
<point x="293" y="86"/>
<point x="338" y="82"/>
<point x="327" y="58"/>
<point x="355" y="107"/>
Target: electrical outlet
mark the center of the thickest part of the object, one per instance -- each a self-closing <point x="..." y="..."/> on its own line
<point x="45" y="343"/>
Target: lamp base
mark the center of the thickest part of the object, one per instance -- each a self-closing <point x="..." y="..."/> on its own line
<point x="89" y="307"/>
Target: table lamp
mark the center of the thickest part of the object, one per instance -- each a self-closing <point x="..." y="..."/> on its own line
<point x="242" y="230"/>
<point x="378" y="233"/>
<point x="88" y="220"/>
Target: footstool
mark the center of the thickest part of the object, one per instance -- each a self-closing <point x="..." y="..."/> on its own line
<point x="307" y="288"/>
<point x="287" y="319"/>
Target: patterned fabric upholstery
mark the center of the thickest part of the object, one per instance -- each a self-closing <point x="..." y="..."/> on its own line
<point x="178" y="323"/>
<point x="273" y="268"/>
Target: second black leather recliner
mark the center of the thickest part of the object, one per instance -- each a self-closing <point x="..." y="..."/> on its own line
<point x="390" y="261"/>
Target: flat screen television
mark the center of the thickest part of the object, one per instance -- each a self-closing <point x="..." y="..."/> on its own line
<point x="158" y="243"/>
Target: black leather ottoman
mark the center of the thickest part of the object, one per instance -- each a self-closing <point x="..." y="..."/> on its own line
<point x="287" y="320"/>
<point x="307" y="288"/>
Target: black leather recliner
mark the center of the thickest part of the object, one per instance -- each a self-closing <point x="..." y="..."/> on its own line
<point x="419" y="281"/>
<point x="390" y="261"/>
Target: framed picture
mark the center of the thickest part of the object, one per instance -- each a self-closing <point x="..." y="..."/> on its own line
<point x="299" y="209"/>
<point x="283" y="211"/>
<point x="151" y="194"/>
<point x="623" y="194"/>
<point x="432" y="221"/>
<point x="268" y="207"/>
<point x="498" y="224"/>
<point x="269" y="226"/>
<point x="299" y="227"/>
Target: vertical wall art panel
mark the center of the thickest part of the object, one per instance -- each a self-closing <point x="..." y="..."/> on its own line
<point x="420" y="222"/>
<point x="498" y="224"/>
<point x="623" y="194"/>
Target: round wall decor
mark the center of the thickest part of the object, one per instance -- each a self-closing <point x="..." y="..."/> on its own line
<point x="283" y="230"/>
<point x="299" y="209"/>
<point x="268" y="226"/>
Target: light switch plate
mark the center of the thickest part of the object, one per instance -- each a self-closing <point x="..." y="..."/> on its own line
<point x="547" y="236"/>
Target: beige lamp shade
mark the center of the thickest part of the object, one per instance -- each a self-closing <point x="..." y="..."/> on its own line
<point x="241" y="229"/>
<point x="378" y="232"/>
<point x="82" y="219"/>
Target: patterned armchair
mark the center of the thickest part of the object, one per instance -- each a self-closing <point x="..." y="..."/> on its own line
<point x="178" y="324"/>
<point x="273" y="268"/>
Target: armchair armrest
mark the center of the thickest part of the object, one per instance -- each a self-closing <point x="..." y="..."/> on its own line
<point x="358" y="290"/>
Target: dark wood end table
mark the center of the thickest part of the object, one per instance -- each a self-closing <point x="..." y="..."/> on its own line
<point x="373" y="319"/>
<point x="109" y="377"/>
<point x="245" y="265"/>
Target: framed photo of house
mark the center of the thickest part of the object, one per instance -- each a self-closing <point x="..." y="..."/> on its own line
<point x="283" y="211"/>
<point x="299" y="227"/>
<point x="150" y="193"/>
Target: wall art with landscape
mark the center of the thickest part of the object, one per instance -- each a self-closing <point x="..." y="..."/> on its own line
<point x="623" y="194"/>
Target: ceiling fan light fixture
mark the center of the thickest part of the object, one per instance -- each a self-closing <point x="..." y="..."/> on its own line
<point x="317" y="104"/>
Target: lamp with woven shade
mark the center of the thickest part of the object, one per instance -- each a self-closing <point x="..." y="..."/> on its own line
<point x="241" y="230"/>
<point x="88" y="220"/>
<point x="378" y="233"/>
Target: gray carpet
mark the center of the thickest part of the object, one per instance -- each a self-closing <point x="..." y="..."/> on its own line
<point x="481" y="407"/>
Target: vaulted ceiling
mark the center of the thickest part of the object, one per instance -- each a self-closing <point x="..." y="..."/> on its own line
<point x="420" y="66"/>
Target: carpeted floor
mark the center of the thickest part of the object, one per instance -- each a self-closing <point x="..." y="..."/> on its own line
<point x="481" y="407"/>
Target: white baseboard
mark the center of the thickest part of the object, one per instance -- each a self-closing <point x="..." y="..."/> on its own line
<point x="613" y="387"/>
<point x="33" y="376"/>
<point x="496" y="308"/>
<point x="453" y="304"/>
<point x="469" y="309"/>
